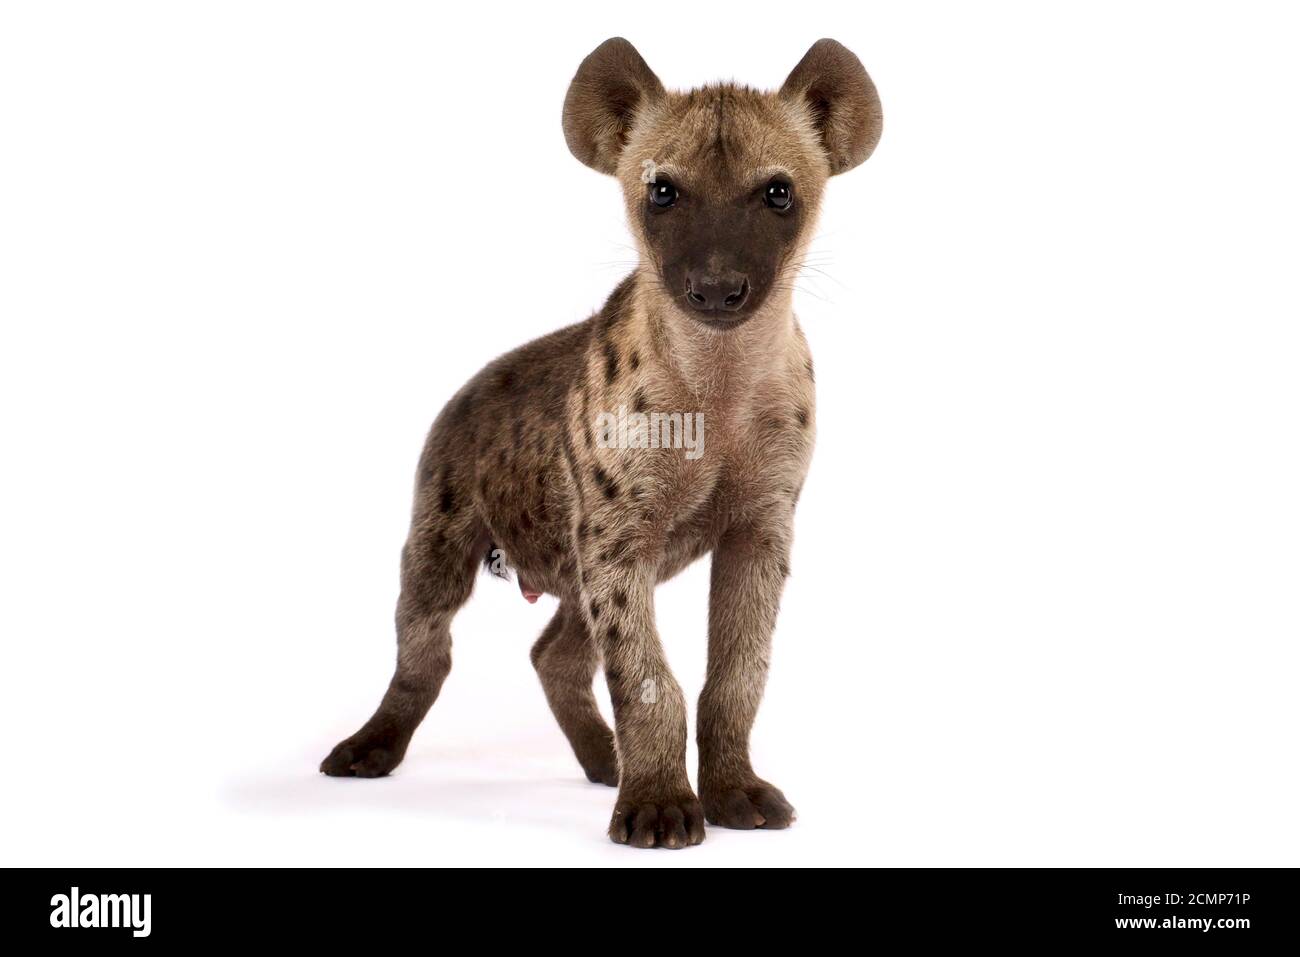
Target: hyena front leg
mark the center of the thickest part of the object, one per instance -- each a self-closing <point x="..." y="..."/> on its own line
<point x="656" y="806"/>
<point x="437" y="577"/>
<point x="749" y="569"/>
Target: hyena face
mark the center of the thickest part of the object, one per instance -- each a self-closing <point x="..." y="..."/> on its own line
<point x="722" y="184"/>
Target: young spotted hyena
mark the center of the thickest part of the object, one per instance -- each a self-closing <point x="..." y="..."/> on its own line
<point x="722" y="186"/>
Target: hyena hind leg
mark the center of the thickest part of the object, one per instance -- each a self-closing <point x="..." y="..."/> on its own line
<point x="437" y="578"/>
<point x="566" y="660"/>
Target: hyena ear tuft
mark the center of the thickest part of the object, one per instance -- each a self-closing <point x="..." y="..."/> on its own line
<point x="835" y="89"/>
<point x="612" y="83"/>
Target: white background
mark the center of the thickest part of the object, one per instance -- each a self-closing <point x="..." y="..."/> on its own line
<point x="1044" y="603"/>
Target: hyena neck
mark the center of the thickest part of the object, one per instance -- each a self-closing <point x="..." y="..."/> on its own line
<point x="714" y="367"/>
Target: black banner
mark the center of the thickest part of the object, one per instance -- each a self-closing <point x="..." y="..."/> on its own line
<point x="141" y="908"/>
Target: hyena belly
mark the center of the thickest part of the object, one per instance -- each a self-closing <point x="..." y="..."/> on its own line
<point x="498" y="452"/>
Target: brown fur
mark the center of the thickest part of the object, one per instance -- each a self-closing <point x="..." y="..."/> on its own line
<point x="513" y="462"/>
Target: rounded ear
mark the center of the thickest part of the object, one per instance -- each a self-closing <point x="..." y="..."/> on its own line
<point x="832" y="84"/>
<point x="612" y="83"/>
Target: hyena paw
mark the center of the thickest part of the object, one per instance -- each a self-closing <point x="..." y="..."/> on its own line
<point x="747" y="805"/>
<point x="667" y="820"/>
<point x="363" y="756"/>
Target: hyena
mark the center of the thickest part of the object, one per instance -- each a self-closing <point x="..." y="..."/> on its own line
<point x="722" y="186"/>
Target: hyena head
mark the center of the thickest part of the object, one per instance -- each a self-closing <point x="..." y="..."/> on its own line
<point x="722" y="183"/>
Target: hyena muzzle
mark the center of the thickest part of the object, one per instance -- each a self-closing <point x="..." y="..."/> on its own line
<point x="722" y="187"/>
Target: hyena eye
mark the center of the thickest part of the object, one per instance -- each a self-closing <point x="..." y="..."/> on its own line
<point x="663" y="194"/>
<point x="779" y="195"/>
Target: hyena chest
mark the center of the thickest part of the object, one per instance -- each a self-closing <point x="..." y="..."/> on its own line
<point x="747" y="479"/>
<point x="677" y="498"/>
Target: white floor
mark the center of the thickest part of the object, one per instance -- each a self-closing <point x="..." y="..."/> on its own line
<point x="895" y="753"/>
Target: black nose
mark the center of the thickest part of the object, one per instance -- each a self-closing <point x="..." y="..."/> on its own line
<point x="726" y="291"/>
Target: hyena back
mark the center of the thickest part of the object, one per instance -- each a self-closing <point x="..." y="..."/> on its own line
<point x="722" y="186"/>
